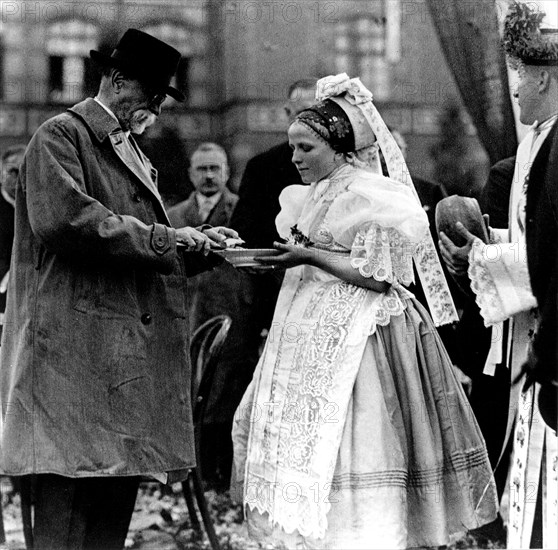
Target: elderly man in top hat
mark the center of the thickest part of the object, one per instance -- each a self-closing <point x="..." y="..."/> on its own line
<point x="518" y="272"/>
<point x="94" y="383"/>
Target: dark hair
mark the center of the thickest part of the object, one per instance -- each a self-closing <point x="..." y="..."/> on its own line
<point x="208" y="146"/>
<point x="330" y="122"/>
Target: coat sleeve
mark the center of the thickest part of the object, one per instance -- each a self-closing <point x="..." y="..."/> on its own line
<point x="70" y="223"/>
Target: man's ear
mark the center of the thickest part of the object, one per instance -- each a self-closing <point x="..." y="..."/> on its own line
<point x="544" y="80"/>
<point x="117" y="80"/>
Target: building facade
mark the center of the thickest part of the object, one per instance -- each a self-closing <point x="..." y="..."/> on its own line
<point x="239" y="57"/>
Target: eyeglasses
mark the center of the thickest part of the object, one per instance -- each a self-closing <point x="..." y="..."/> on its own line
<point x="156" y="97"/>
<point x="157" y="100"/>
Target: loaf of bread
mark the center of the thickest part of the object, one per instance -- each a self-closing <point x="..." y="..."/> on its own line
<point x="466" y="210"/>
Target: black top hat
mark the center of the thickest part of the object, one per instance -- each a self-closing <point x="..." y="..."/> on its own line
<point x="146" y="58"/>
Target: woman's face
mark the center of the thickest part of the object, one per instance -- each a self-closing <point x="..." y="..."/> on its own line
<point x="314" y="158"/>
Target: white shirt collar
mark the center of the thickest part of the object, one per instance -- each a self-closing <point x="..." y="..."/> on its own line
<point x="545" y="124"/>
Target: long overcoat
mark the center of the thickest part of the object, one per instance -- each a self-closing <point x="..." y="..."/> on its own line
<point x="94" y="377"/>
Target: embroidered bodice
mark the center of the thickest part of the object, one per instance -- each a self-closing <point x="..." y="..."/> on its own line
<point x="373" y="219"/>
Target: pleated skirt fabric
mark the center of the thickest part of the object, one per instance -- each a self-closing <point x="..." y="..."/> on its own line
<point x="412" y="468"/>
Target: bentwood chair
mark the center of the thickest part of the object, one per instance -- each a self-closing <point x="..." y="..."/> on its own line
<point x="205" y="348"/>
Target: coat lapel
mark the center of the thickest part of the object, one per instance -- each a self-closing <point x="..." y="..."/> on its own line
<point x="141" y="167"/>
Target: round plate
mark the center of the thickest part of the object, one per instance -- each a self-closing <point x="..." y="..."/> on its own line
<point x="246" y="257"/>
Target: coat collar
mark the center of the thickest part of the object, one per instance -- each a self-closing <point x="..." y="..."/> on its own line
<point x="103" y="126"/>
<point x="97" y="119"/>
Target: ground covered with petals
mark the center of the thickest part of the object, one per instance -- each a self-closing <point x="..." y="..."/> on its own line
<point x="161" y="522"/>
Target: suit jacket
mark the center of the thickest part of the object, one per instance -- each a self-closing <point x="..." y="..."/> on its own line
<point x="495" y="196"/>
<point x="542" y="243"/>
<point x="186" y="213"/>
<point x="265" y="176"/>
<point x="221" y="291"/>
<point x="96" y="332"/>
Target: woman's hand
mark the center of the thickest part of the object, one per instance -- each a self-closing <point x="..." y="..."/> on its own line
<point x="338" y="265"/>
<point x="291" y="256"/>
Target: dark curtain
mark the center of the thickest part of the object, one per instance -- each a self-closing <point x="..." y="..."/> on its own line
<point x="470" y="40"/>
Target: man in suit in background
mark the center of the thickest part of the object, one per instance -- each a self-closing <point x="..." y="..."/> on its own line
<point x="211" y="202"/>
<point x="265" y="176"/>
<point x="219" y="292"/>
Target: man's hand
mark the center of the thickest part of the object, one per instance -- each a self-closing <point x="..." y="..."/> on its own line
<point x="218" y="235"/>
<point x="456" y="258"/>
<point x="193" y="240"/>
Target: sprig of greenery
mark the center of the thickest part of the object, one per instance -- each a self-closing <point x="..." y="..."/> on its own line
<point x="522" y="39"/>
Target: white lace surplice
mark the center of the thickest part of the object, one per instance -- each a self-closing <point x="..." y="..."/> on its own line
<point x="303" y="383"/>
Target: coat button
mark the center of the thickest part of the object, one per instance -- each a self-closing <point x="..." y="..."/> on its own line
<point x="146" y="318"/>
<point x="136" y="197"/>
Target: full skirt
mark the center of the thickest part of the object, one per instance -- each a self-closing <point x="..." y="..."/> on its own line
<point x="412" y="467"/>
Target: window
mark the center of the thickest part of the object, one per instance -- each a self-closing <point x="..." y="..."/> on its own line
<point x="366" y="43"/>
<point x="191" y="42"/>
<point x="68" y="45"/>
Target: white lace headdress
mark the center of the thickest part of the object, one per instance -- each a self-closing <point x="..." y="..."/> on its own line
<point x="351" y="90"/>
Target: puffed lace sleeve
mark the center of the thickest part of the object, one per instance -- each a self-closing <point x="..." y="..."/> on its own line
<point x="382" y="223"/>
<point x="291" y="200"/>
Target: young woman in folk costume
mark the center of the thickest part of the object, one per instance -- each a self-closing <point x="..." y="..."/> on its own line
<point x="354" y="432"/>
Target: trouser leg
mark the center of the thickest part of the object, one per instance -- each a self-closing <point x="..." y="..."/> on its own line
<point x="109" y="521"/>
<point x="84" y="513"/>
<point x="59" y="516"/>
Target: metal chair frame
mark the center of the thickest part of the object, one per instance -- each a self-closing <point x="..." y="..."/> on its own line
<point x="205" y="348"/>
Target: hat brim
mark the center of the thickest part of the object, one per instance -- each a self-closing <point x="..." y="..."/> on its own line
<point x="108" y="61"/>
